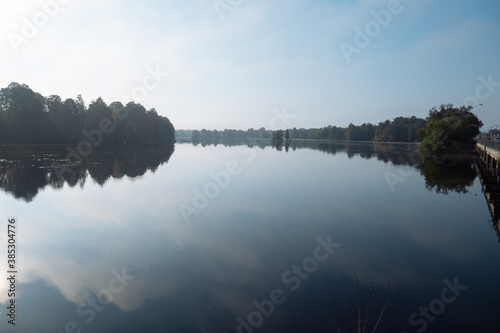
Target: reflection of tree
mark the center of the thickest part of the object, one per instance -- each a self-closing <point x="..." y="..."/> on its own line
<point x="442" y="176"/>
<point x="21" y="178"/>
<point x="278" y="145"/>
<point x="23" y="172"/>
<point x="277" y="140"/>
<point x="396" y="153"/>
<point x="448" y="175"/>
<point x="261" y="143"/>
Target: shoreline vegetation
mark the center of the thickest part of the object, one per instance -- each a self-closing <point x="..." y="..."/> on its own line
<point x="28" y="118"/>
<point x="448" y="132"/>
<point x="400" y="129"/>
<point x="245" y="140"/>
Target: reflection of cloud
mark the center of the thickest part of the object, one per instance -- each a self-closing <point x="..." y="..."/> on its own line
<point x="77" y="282"/>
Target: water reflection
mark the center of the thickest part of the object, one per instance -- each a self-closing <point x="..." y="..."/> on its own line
<point x="448" y="175"/>
<point x="26" y="170"/>
<point x="203" y="276"/>
<point x="490" y="183"/>
<point x="443" y="176"/>
<point x="396" y="153"/>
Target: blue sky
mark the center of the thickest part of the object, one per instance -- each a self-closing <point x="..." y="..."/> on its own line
<point x="264" y="55"/>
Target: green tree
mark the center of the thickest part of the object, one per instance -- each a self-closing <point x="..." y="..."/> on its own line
<point x="351" y="133"/>
<point x="216" y="136"/>
<point x="131" y="132"/>
<point x="449" y="129"/>
<point x="195" y="136"/>
<point x="118" y="113"/>
<point x="263" y="133"/>
<point x="25" y="114"/>
<point x="66" y="117"/>
<point x="206" y="136"/>
<point x="277" y="139"/>
<point x="278" y="136"/>
<point x="26" y="117"/>
<point x="97" y="111"/>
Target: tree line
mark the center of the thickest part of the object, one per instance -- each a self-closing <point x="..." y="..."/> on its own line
<point x="446" y="127"/>
<point x="27" y="117"/>
<point x="401" y="129"/>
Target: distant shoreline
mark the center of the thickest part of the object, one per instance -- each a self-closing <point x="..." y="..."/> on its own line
<point x="189" y="140"/>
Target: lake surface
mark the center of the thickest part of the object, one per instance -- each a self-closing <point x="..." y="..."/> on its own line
<point x="246" y="239"/>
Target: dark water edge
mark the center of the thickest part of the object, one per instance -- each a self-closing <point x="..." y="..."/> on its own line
<point x="24" y="170"/>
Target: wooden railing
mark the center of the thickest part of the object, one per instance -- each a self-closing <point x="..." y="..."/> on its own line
<point x="490" y="143"/>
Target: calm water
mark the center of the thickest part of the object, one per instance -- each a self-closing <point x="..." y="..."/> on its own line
<point x="246" y="239"/>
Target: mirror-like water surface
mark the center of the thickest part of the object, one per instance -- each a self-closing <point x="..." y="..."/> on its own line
<point x="247" y="239"/>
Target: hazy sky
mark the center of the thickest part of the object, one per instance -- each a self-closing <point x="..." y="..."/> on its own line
<point x="327" y="62"/>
